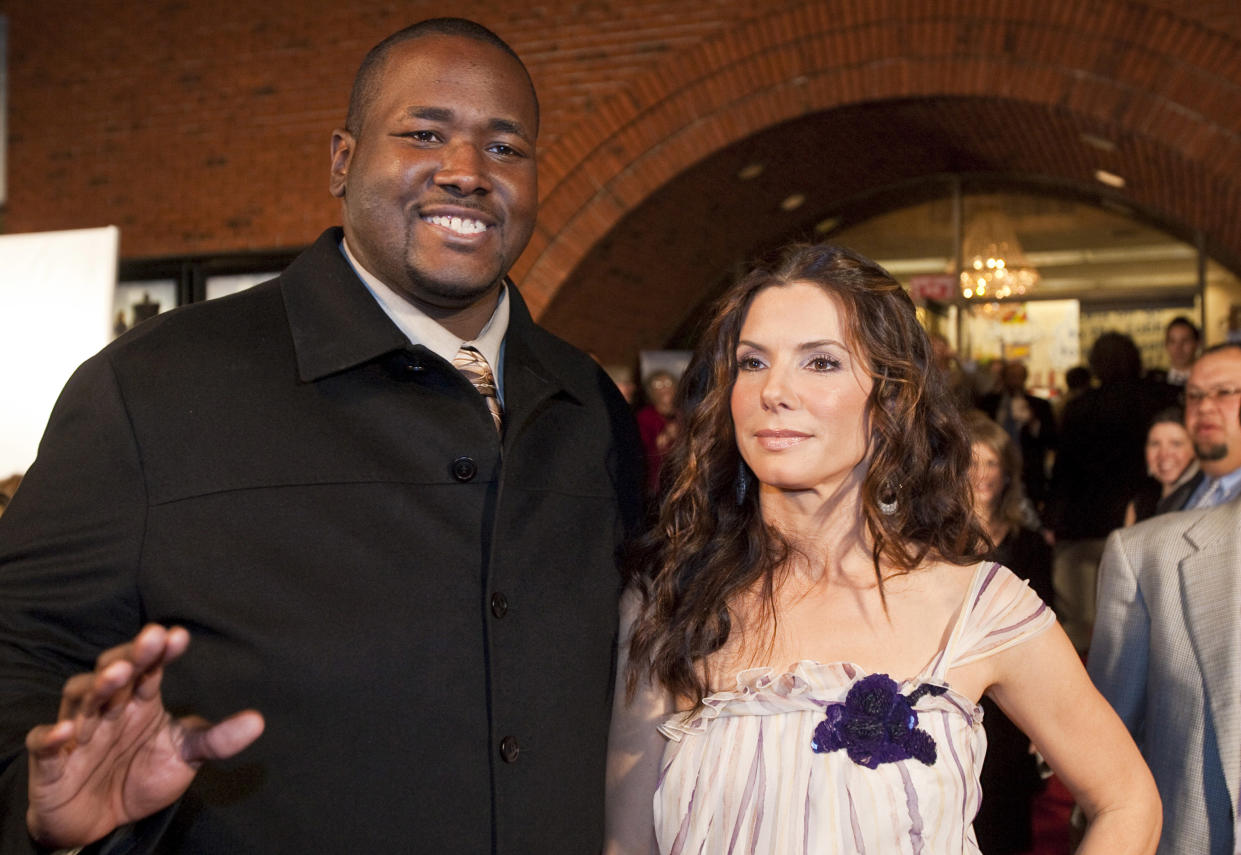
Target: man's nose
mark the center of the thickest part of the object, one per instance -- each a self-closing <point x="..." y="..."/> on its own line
<point x="463" y="169"/>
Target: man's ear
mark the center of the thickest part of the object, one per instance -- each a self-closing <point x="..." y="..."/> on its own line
<point x="343" y="145"/>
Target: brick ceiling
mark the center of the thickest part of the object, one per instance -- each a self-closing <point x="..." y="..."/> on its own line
<point x="656" y="268"/>
<point x="201" y="129"/>
<point x="866" y="108"/>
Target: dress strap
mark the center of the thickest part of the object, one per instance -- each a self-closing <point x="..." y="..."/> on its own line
<point x="942" y="664"/>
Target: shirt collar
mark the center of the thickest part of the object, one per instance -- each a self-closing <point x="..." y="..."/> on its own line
<point x="421" y="329"/>
<point x="1231" y="488"/>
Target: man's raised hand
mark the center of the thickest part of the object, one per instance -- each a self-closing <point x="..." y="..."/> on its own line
<point x="115" y="755"/>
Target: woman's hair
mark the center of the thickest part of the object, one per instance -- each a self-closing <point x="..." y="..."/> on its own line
<point x="709" y="545"/>
<point x="1168" y="415"/>
<point x="984" y="429"/>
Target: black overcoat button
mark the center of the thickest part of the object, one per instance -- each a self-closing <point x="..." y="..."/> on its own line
<point x="464" y="468"/>
<point x="499" y="604"/>
<point x="509" y="749"/>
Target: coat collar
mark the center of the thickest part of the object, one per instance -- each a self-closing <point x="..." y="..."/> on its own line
<point x="336" y="325"/>
<point x="335" y="322"/>
<point x="1211" y="594"/>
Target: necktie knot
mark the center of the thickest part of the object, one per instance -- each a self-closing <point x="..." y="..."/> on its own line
<point x="474" y="366"/>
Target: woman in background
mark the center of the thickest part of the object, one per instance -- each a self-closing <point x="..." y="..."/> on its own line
<point x="1170" y="462"/>
<point x="1010" y="776"/>
<point x="657" y="424"/>
<point x="809" y="625"/>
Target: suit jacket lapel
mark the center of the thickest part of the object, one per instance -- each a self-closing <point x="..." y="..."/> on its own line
<point x="1211" y="591"/>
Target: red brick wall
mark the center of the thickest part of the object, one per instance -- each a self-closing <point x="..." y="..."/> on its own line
<point x="203" y="127"/>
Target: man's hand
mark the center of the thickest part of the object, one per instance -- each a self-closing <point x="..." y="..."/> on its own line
<point x="115" y="755"/>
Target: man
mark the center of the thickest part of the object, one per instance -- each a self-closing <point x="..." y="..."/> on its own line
<point x="1031" y="423"/>
<point x="1180" y="340"/>
<point x="404" y="573"/>
<point x="1166" y="654"/>
<point x="1213" y="419"/>
<point x="1100" y="465"/>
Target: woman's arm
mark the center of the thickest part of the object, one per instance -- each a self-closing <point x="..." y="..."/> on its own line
<point x="1042" y="686"/>
<point x="635" y="747"/>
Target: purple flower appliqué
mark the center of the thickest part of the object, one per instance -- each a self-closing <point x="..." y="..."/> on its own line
<point x="877" y="724"/>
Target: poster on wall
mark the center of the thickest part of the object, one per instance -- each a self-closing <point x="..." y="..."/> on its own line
<point x="56" y="293"/>
<point x="1043" y="334"/>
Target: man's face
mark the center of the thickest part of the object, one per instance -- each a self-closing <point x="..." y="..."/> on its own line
<point x="438" y="187"/>
<point x="1014" y="377"/>
<point x="1181" y="345"/>
<point x="1214" y="420"/>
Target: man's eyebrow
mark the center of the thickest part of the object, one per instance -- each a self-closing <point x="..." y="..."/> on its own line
<point x="434" y="114"/>
<point x="507" y="126"/>
<point x="445" y="114"/>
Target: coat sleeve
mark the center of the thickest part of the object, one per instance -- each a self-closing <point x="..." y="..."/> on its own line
<point x="1119" y="647"/>
<point x="69" y="547"/>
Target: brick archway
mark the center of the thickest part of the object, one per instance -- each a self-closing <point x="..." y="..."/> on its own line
<point x="1165" y="86"/>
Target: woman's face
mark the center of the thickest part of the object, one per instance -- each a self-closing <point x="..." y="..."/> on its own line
<point x="1168" y="451"/>
<point x="662" y="390"/>
<point x="987" y="477"/>
<point x="799" y="400"/>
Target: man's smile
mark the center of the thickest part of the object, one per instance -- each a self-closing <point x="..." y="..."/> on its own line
<point x="457" y="225"/>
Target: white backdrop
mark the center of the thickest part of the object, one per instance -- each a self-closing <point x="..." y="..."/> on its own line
<point x="56" y="291"/>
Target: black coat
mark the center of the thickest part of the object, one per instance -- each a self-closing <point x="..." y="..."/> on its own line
<point x="1101" y="462"/>
<point x="428" y="631"/>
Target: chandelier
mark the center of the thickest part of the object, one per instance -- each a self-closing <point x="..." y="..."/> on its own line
<point x="993" y="264"/>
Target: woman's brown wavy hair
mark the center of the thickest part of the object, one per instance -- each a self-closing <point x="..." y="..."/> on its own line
<point x="707" y="546"/>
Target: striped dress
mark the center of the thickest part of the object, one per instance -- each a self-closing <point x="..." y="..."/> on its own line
<point x="739" y="775"/>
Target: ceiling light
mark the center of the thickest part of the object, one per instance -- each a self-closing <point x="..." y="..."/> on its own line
<point x="822" y="227"/>
<point x="1097" y="142"/>
<point x="995" y="266"/>
<point x="752" y="170"/>
<point x="1111" y="179"/>
<point x="792" y="203"/>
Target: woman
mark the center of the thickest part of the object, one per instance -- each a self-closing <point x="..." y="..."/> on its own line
<point x="809" y="628"/>
<point x="1172" y="467"/>
<point x="657" y="424"/>
<point x="1010" y="777"/>
<point x="1001" y="506"/>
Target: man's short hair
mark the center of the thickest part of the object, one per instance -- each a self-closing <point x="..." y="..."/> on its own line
<point x="1182" y="321"/>
<point x="366" y="80"/>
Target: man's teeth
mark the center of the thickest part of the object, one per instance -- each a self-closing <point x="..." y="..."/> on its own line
<point x="458" y="225"/>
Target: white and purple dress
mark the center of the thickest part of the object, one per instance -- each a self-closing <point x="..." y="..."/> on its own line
<point x="827" y="758"/>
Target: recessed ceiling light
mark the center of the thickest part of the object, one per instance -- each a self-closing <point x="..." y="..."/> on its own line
<point x="1111" y="179"/>
<point x="822" y="227"/>
<point x="749" y="171"/>
<point x="792" y="203"/>
<point x="1097" y="142"/>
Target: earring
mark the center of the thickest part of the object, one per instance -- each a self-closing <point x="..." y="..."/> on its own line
<point x="888" y="507"/>
<point x="743" y="481"/>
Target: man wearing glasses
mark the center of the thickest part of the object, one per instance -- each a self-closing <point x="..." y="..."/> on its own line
<point x="1213" y="419"/>
<point x="1166" y="650"/>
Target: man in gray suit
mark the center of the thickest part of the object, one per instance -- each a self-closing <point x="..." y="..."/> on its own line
<point x="1166" y="653"/>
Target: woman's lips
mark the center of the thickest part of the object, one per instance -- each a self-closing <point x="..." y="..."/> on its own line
<point x="774" y="440"/>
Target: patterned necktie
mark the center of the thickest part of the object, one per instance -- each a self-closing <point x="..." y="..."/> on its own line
<point x="1213" y="496"/>
<point x="474" y="366"/>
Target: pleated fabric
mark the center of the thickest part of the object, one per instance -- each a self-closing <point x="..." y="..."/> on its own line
<point x="739" y="774"/>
